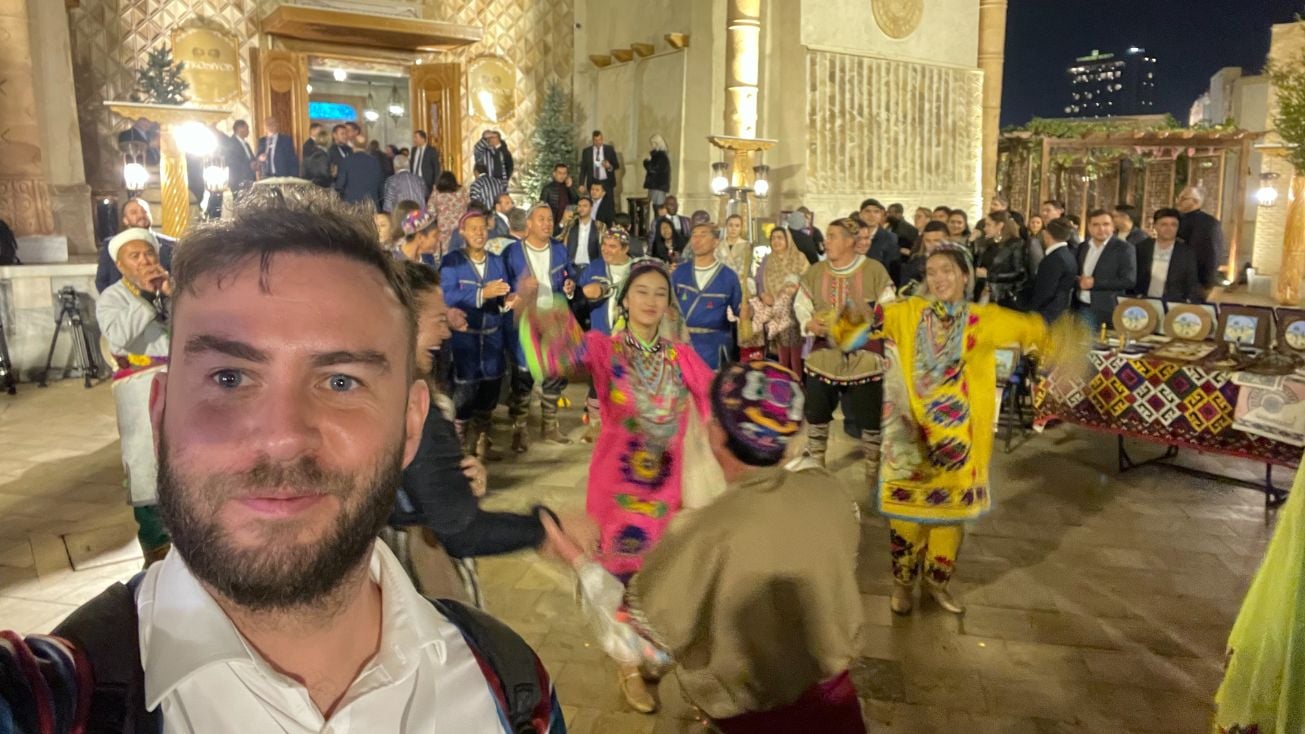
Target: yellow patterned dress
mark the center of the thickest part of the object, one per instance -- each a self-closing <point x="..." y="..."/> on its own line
<point x="940" y="396"/>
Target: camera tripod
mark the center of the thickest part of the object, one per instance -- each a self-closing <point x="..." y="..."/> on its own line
<point x="70" y="311"/>
<point x="7" y="379"/>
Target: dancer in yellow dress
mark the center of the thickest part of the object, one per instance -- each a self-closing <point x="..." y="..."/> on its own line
<point x="940" y="393"/>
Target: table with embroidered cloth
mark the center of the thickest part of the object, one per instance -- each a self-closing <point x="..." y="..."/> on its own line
<point x="1178" y="406"/>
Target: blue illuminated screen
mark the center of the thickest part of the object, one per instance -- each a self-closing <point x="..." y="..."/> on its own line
<point x="331" y="111"/>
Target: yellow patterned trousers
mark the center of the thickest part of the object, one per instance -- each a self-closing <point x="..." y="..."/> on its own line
<point x="933" y="548"/>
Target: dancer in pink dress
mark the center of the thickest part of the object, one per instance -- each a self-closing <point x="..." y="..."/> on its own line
<point x="652" y="390"/>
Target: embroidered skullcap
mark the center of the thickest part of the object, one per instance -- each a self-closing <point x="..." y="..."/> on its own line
<point x="417" y="222"/>
<point x="470" y="214"/>
<point x="759" y="404"/>
<point x="135" y="234"/>
<point x="700" y="217"/>
<point x="619" y="234"/>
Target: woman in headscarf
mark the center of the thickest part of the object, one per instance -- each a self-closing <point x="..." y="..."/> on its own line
<point x="939" y="396"/>
<point x="653" y="390"/>
<point x="778" y="280"/>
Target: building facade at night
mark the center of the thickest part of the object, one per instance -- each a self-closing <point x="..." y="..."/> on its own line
<point x="1112" y="84"/>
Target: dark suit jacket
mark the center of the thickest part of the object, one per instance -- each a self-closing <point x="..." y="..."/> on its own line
<point x="287" y="161"/>
<point x="498" y="227"/>
<point x="337" y="154"/>
<point x="430" y="165"/>
<point x="807" y="245"/>
<point x="1054" y="285"/>
<point x="595" y="244"/>
<point x="587" y="167"/>
<point x="1204" y="235"/>
<point x="1115" y="275"/>
<point x="883" y="247"/>
<point x="1182" y="283"/>
<point x="239" y="171"/>
<point x="360" y="178"/>
<point x="607" y="208"/>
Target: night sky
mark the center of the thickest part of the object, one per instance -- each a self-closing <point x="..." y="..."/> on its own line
<point x="1192" y="39"/>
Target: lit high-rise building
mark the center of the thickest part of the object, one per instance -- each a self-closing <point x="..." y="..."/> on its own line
<point x="1110" y="84"/>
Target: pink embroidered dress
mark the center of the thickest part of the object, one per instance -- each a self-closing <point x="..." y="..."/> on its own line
<point x="646" y="394"/>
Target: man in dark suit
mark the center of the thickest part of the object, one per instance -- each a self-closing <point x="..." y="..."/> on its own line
<point x="310" y="143"/>
<point x="907" y="234"/>
<point x="360" y="177"/>
<point x="1126" y="220"/>
<point x="679" y="222"/>
<point x="883" y="242"/>
<point x="240" y="157"/>
<point x="598" y="164"/>
<point x="276" y="152"/>
<point x="1166" y="266"/>
<point x="341" y="147"/>
<point x="1203" y="234"/>
<point x="500" y="226"/>
<point x="1107" y="269"/>
<point x="425" y="160"/>
<point x="1053" y="287"/>
<point x="583" y="236"/>
<point x="604" y="203"/>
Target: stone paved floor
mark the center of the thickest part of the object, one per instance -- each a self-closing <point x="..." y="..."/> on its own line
<point x="1097" y="602"/>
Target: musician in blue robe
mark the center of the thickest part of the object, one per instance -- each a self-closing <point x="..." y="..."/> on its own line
<point x="601" y="279"/>
<point x="709" y="297"/>
<point x="476" y="282"/>
<point x="537" y="268"/>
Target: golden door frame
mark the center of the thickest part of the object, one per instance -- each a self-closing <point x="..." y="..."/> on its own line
<point x="280" y="86"/>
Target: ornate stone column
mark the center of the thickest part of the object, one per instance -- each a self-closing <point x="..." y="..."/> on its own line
<point x="742" y="61"/>
<point x="992" y="60"/>
<point x="24" y="187"/>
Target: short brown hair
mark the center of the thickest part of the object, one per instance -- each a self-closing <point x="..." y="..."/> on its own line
<point x="303" y="220"/>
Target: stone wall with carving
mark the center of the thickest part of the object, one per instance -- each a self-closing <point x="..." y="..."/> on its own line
<point x="24" y="196"/>
<point x="111" y="39"/>
<point x="537" y="36"/>
<point x="899" y="131"/>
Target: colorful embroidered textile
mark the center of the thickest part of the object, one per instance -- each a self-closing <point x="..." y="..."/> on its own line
<point x="645" y="394"/>
<point x="1263" y="689"/>
<point x="937" y="425"/>
<point x="1156" y="400"/>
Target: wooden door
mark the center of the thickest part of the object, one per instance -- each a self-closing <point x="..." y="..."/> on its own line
<point x="436" y="99"/>
<point x="280" y="91"/>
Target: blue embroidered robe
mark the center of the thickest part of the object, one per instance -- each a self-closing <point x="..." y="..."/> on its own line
<point x="518" y="266"/>
<point x="706" y="311"/>
<point x="478" y="351"/>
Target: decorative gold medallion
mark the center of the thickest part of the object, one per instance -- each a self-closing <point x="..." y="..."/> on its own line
<point x="898" y="18"/>
<point x="492" y="83"/>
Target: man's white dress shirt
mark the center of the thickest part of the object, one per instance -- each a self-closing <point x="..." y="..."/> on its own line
<point x="1089" y="266"/>
<point x="1159" y="270"/>
<point x="208" y="678"/>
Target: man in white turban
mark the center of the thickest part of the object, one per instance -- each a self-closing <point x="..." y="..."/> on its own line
<point x="133" y="316"/>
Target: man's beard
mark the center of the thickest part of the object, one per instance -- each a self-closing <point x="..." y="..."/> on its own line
<point x="278" y="575"/>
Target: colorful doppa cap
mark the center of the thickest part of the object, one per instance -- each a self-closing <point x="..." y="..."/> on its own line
<point x="759" y="404"/>
<point x="417" y="222"/>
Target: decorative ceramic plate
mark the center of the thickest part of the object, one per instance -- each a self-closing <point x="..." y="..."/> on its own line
<point x="1189" y="323"/>
<point x="1136" y="318"/>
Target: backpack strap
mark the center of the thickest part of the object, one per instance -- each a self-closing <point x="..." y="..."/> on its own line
<point x="522" y="684"/>
<point x="105" y="629"/>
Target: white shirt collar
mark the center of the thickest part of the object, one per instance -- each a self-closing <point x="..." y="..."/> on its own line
<point x="1055" y="247"/>
<point x="183" y="630"/>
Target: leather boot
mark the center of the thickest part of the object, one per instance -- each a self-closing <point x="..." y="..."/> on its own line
<point x="635" y="690"/>
<point x="519" y="441"/>
<point x="817" y="442"/>
<point x="548" y="430"/>
<point x="595" y="422"/>
<point x="485" y="450"/>
<point x="871" y="442"/>
<point x="944" y="598"/>
<point x="901" y="602"/>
